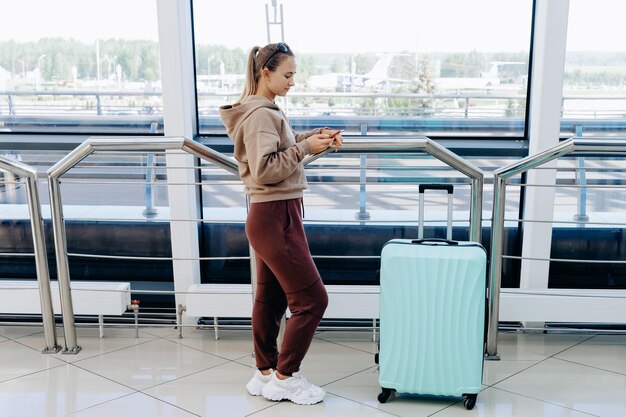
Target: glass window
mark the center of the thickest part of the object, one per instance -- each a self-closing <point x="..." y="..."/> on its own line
<point x="80" y="67"/>
<point x="594" y="85"/>
<point x="441" y="68"/>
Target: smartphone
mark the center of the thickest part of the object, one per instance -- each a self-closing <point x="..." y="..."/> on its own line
<point x="332" y="135"/>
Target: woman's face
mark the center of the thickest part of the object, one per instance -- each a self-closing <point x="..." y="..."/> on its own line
<point x="280" y="81"/>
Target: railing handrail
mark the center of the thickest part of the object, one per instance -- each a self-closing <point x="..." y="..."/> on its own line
<point x="78" y="93"/>
<point x="84" y="92"/>
<point x="238" y="93"/>
<point x="39" y="248"/>
<point x="323" y="94"/>
<point x="572" y="146"/>
<point x="17" y="167"/>
<point x="141" y="144"/>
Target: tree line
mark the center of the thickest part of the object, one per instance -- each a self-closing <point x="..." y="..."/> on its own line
<point x="59" y="59"/>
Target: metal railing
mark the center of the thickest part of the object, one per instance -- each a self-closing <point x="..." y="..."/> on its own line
<point x="148" y="145"/>
<point x="81" y="152"/>
<point x="449" y="114"/>
<point x="29" y="175"/>
<point x="81" y="102"/>
<point x="128" y="103"/>
<point x="572" y="146"/>
<point x="146" y="103"/>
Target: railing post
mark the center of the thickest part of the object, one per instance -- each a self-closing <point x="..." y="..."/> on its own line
<point x="11" y="105"/>
<point x="581" y="180"/>
<point x="98" y="105"/>
<point x="495" y="268"/>
<point x="476" y="214"/>
<point x="63" y="271"/>
<point x="362" y="214"/>
<point x="150" y="211"/>
<point x="41" y="263"/>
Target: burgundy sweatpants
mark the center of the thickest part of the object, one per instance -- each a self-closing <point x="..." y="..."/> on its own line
<point x="286" y="276"/>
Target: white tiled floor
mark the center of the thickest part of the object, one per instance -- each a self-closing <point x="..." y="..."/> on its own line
<point x="157" y="374"/>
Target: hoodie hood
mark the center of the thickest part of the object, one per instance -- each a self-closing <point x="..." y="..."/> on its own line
<point x="233" y="115"/>
<point x="268" y="151"/>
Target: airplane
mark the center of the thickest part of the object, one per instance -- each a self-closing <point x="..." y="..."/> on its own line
<point x="343" y="81"/>
<point x="489" y="79"/>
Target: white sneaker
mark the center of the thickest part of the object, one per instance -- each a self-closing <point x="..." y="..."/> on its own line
<point x="295" y="389"/>
<point x="258" y="381"/>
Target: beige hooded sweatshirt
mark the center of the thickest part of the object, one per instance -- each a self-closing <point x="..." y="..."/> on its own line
<point x="269" y="152"/>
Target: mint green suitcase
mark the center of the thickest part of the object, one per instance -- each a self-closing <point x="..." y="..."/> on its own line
<point x="432" y="316"/>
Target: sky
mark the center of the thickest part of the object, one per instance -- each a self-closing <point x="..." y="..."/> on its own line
<point x="367" y="26"/>
<point x="84" y="20"/>
<point x="331" y="26"/>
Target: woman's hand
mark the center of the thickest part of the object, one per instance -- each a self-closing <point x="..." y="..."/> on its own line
<point x="334" y="135"/>
<point x="337" y="139"/>
<point x="319" y="142"/>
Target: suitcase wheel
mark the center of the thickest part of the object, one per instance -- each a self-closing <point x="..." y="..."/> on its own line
<point x="469" y="402"/>
<point x="384" y="395"/>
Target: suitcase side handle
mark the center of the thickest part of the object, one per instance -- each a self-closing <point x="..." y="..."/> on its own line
<point x="447" y="187"/>
<point x="434" y="240"/>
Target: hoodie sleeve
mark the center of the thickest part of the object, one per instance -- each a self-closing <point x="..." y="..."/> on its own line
<point x="302" y="136"/>
<point x="267" y="162"/>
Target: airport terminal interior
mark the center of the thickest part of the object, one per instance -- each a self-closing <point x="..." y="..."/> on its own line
<point x="126" y="276"/>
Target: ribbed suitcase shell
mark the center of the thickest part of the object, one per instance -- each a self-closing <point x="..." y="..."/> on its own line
<point x="432" y="314"/>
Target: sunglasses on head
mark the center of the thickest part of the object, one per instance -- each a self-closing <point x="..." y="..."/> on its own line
<point x="282" y="47"/>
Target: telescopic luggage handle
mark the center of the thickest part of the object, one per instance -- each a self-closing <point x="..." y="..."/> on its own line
<point x="434" y="240"/>
<point x="446" y="187"/>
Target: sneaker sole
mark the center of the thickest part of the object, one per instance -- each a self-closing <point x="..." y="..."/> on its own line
<point x="285" y="395"/>
<point x="256" y="394"/>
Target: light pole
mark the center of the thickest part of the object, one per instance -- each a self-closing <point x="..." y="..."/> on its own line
<point x="74" y="76"/>
<point x="118" y="76"/>
<point x="39" y="73"/>
<point x="23" y="68"/>
<point x="98" y="63"/>
<point x="221" y="74"/>
<point x="278" y="8"/>
<point x="208" y="65"/>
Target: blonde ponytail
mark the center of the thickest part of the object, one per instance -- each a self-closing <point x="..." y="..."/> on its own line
<point x="252" y="76"/>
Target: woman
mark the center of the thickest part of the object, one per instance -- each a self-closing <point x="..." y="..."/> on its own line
<point x="270" y="158"/>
